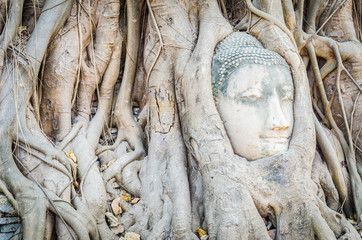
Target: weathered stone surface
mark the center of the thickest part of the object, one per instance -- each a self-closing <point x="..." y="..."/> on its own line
<point x="254" y="94"/>
<point x="5" y="207"/>
<point x="7" y="220"/>
<point x="6" y="236"/>
<point x="9" y="228"/>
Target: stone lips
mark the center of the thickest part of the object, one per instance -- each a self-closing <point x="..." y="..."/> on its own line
<point x="237" y="49"/>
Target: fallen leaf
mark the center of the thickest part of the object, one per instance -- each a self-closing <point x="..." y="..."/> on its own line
<point x="74" y="166"/>
<point x="126" y="197"/>
<point x="201" y="232"/>
<point x="132" y="236"/>
<point x="72" y="156"/>
<point x="116" y="206"/>
<point x="135" y="200"/>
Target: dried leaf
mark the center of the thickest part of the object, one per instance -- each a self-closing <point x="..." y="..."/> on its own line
<point x="135" y="200"/>
<point x="132" y="236"/>
<point x="126" y="197"/>
<point x="72" y="156"/>
<point x="74" y="165"/>
<point x="201" y="232"/>
<point x="116" y="206"/>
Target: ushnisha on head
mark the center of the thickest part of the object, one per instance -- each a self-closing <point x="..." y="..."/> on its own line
<point x="238" y="49"/>
<point x="253" y="89"/>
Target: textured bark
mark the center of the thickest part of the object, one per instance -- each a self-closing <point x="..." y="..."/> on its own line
<point x="109" y="128"/>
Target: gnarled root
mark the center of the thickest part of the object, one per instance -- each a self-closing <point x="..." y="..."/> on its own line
<point x="326" y="189"/>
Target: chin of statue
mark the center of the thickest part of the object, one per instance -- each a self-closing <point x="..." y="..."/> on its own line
<point x="267" y="147"/>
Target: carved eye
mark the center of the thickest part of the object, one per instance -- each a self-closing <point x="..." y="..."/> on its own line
<point x="288" y="97"/>
<point x="252" y="97"/>
<point x="251" y="94"/>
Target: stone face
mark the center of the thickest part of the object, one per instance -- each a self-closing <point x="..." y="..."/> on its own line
<point x="254" y="91"/>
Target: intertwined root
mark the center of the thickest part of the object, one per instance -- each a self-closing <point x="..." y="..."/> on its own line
<point x="238" y="202"/>
<point x="33" y="205"/>
<point x="291" y="202"/>
<point x="306" y="219"/>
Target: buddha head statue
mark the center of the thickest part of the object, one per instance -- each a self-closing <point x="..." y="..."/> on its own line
<point x="253" y="89"/>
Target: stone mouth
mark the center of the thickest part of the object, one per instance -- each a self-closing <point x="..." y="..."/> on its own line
<point x="275" y="139"/>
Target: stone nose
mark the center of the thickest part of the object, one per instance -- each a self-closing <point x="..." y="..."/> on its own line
<point x="276" y="117"/>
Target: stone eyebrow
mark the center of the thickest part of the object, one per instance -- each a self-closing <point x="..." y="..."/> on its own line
<point x="252" y="91"/>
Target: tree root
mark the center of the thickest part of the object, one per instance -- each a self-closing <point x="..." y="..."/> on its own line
<point x="300" y="47"/>
<point x="11" y="29"/>
<point x="271" y="19"/>
<point x="93" y="189"/>
<point x="129" y="179"/>
<point x="71" y="135"/>
<point x="120" y="163"/>
<point x="9" y="196"/>
<point x="105" y="99"/>
<point x="86" y="173"/>
<point x="82" y="224"/>
<point x="50" y="152"/>
<point x="123" y="109"/>
<point x="348" y="150"/>
<point x="341" y="227"/>
<point x="334" y="165"/>
<point x="326" y="189"/>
